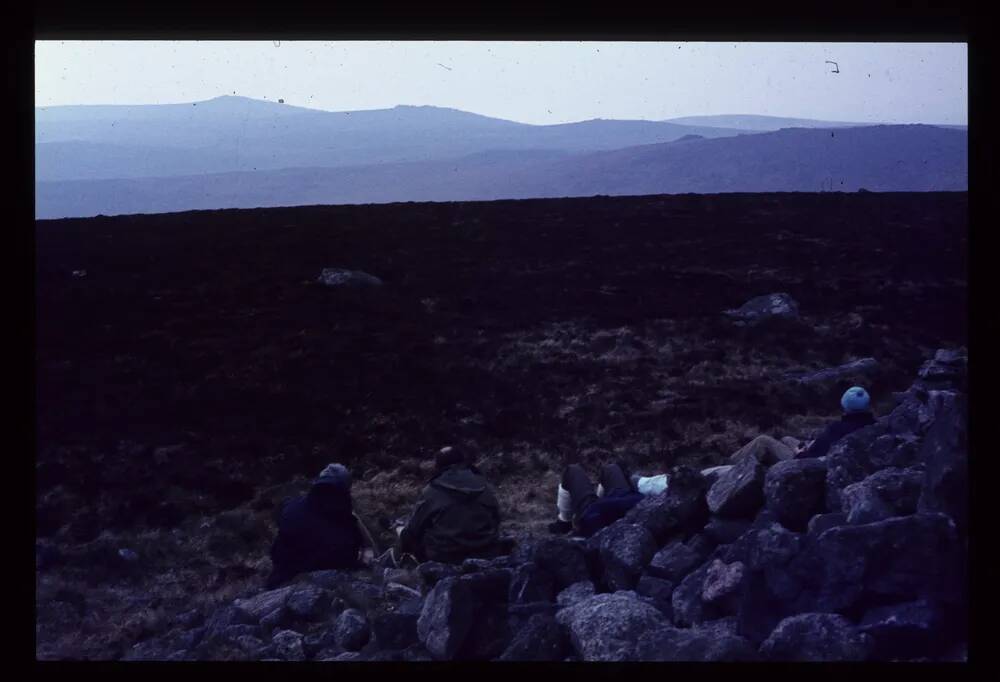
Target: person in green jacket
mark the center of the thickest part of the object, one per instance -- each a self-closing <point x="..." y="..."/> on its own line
<point x="458" y="516"/>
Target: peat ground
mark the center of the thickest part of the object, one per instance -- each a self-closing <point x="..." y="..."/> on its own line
<point x="198" y="373"/>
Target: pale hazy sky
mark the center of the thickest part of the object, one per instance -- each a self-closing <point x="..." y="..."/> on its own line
<point x="530" y="82"/>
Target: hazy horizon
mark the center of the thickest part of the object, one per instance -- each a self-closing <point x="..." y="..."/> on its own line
<point x="526" y="82"/>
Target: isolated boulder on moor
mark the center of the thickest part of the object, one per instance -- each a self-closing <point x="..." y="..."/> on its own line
<point x="770" y="306"/>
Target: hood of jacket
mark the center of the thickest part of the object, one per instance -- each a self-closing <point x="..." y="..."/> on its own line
<point x="459" y="480"/>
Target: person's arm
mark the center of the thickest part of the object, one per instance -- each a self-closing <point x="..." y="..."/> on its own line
<point x="369" y="548"/>
<point x="819" y="447"/>
<point x="413" y="531"/>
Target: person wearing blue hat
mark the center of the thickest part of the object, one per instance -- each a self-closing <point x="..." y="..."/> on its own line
<point x="319" y="530"/>
<point x="857" y="414"/>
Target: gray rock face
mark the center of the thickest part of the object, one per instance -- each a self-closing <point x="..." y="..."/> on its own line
<point x="660" y="591"/>
<point x="739" y="492"/>
<point x="675" y="561"/>
<point x="575" y="592"/>
<point x="540" y="639"/>
<point x="519" y="614"/>
<point x="860" y="454"/>
<point x="606" y="627"/>
<point x="332" y="654"/>
<point x="276" y="619"/>
<point x="446" y="618"/>
<point x="856" y="367"/>
<point x="489" y="586"/>
<point x="945" y="452"/>
<point x="351" y="630"/>
<point x="681" y="509"/>
<point x="308" y="601"/>
<point x="252" y="646"/>
<point x="947" y="369"/>
<point x="394" y="629"/>
<point x="288" y="645"/>
<point x="350" y="279"/>
<point x="822" y="522"/>
<point x="686" y="602"/>
<point x="886" y="493"/>
<point x="347" y="657"/>
<point x="903" y="631"/>
<point x="329" y="579"/>
<point x="768" y="546"/>
<point x="218" y="626"/>
<point x="474" y="564"/>
<point x="795" y="490"/>
<point x="899" y="559"/>
<point x="323" y="640"/>
<point x="724" y="531"/>
<point x="431" y="572"/>
<point x="816" y="637"/>
<point x="356" y="592"/>
<point x="723" y="583"/>
<point x="693" y="644"/>
<point x="625" y="549"/>
<point x="778" y="305"/>
<point x="259" y="606"/>
<point x="561" y="558"/>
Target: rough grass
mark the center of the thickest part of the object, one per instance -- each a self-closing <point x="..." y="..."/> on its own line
<point x="204" y="385"/>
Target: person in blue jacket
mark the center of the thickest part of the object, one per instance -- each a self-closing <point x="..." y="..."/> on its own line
<point x="319" y="530"/>
<point x="856" y="404"/>
<point x="857" y="414"/>
<point x="586" y="509"/>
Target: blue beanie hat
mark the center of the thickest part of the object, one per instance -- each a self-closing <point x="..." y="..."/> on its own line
<point x="335" y="474"/>
<point x="855" y="399"/>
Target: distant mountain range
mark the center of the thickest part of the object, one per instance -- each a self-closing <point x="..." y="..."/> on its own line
<point x="238" y="152"/>
<point x="240" y="134"/>
<point x="751" y="122"/>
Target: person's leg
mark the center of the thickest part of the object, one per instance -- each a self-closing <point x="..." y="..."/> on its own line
<point x="614" y="480"/>
<point x="580" y="488"/>
<point x="766" y="449"/>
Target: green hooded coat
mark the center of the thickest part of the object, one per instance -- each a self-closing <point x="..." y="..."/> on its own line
<point x="458" y="517"/>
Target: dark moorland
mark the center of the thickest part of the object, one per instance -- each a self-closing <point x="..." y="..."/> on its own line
<point x="198" y="372"/>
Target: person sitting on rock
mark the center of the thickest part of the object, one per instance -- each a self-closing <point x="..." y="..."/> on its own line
<point x="586" y="509"/>
<point x="458" y="516"/>
<point x="319" y="530"/>
<point x="857" y="414"/>
<point x="768" y="450"/>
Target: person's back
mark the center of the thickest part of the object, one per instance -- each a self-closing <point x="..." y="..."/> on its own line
<point x="458" y="516"/>
<point x="318" y="530"/>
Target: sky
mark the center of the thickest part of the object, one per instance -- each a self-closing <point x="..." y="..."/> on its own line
<point x="528" y="82"/>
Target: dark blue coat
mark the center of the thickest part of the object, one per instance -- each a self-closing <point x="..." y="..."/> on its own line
<point x="605" y="511"/>
<point x="316" y="531"/>
<point x="837" y="430"/>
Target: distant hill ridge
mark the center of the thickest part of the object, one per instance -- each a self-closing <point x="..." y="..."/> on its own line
<point x="910" y="158"/>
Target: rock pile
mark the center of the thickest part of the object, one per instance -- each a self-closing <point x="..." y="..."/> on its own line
<point x="859" y="555"/>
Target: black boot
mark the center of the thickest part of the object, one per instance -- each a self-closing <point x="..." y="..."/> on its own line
<point x="560" y="527"/>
